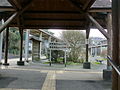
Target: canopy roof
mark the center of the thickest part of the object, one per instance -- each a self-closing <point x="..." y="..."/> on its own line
<point x="50" y="14"/>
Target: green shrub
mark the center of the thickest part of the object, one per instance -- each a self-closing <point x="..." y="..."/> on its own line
<point x="37" y="59"/>
<point x="72" y="63"/>
<point x="60" y="60"/>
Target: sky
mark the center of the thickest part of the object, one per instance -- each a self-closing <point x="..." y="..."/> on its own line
<point x="93" y="33"/>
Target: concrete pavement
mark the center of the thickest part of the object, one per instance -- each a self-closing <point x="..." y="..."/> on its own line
<point x="34" y="76"/>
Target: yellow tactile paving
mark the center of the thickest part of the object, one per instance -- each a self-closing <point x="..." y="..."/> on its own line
<point x="50" y="81"/>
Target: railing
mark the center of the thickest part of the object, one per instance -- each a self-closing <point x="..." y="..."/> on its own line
<point x="114" y="65"/>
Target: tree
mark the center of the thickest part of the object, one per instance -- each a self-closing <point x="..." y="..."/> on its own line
<point x="14" y="41"/>
<point x="76" y="41"/>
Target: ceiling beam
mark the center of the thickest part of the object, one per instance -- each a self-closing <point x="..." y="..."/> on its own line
<point x="100" y="10"/>
<point x="53" y="27"/>
<point x="56" y="19"/>
<point x="53" y="12"/>
<point x="6" y="8"/>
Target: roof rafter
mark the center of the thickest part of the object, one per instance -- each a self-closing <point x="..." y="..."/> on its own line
<point x="11" y="18"/>
<point x="88" y="5"/>
<point x="78" y="5"/>
<point x="82" y="7"/>
<point x="15" y="4"/>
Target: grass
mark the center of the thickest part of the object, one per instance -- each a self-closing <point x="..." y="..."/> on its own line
<point x="68" y="63"/>
<point x="72" y="63"/>
<point x="46" y="62"/>
<point x="97" y="63"/>
<point x="102" y="59"/>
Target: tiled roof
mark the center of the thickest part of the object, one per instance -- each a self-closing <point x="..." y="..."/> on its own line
<point x="98" y="3"/>
<point x="4" y="3"/>
<point x="102" y="4"/>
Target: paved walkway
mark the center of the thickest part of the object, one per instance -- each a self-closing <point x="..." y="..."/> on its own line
<point x="42" y="77"/>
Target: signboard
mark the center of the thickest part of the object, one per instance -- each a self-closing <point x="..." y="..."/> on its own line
<point x="57" y="46"/>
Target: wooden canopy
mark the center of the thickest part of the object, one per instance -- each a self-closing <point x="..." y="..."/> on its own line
<point x="53" y="14"/>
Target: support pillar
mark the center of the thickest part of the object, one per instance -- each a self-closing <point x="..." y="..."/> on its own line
<point x="21" y="48"/>
<point x="115" y="42"/>
<point x="26" y="45"/>
<point x="6" y="47"/>
<point x="1" y="44"/>
<point x="107" y="72"/>
<point x="91" y="51"/>
<point x="101" y="48"/>
<point x="50" y="59"/>
<point x="40" y="44"/>
<point x="50" y="52"/>
<point x="86" y="64"/>
<point x="65" y="59"/>
<point x="109" y="40"/>
<point x="96" y="50"/>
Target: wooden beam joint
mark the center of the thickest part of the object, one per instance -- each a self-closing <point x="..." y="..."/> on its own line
<point x="98" y="26"/>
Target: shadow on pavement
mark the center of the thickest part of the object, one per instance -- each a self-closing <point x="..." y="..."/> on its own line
<point x="5" y="81"/>
<point x="83" y="85"/>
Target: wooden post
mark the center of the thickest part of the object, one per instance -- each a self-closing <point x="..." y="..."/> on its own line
<point x="115" y="42"/>
<point x="21" y="47"/>
<point x="118" y="40"/>
<point x="50" y="58"/>
<point x="86" y="52"/>
<point x="1" y="43"/>
<point x="96" y="50"/>
<point x="107" y="72"/>
<point x="109" y="40"/>
<point x="26" y="44"/>
<point x="86" y="64"/>
<point x="101" y="48"/>
<point x="6" y="47"/>
<point x="65" y="58"/>
<point x="87" y="42"/>
<point x="40" y="43"/>
<point x="50" y="51"/>
<point x="91" y="50"/>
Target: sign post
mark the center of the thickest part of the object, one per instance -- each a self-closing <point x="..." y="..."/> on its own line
<point x="65" y="58"/>
<point x="58" y="46"/>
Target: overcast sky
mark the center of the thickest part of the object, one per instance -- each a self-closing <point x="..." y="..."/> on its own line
<point x="93" y="33"/>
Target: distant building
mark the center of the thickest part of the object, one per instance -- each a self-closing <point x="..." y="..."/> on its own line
<point x="97" y="46"/>
<point x="37" y="43"/>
